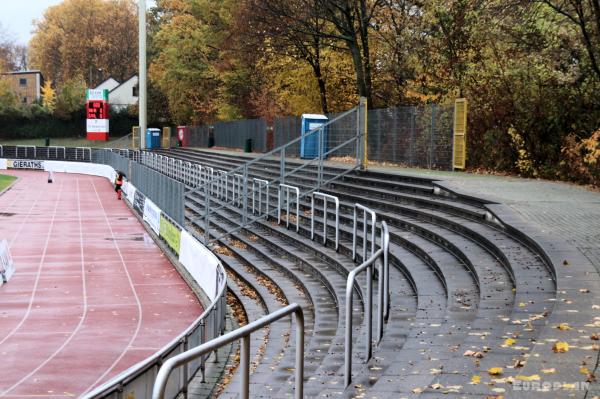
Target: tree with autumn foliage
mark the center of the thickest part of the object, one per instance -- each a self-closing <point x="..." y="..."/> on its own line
<point x="79" y="36"/>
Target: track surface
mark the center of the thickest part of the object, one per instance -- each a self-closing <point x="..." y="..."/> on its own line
<point x="92" y="293"/>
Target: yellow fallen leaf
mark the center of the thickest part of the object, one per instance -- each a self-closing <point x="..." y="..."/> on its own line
<point x="563" y="326"/>
<point x="568" y="386"/>
<point x="560" y="347"/>
<point x="436" y="386"/>
<point x="522" y="304"/>
<point x="584" y="370"/>
<point x="549" y="371"/>
<point x="495" y="371"/>
<point x="475" y="380"/>
<point x="508" y="342"/>
<point x="533" y="377"/>
<point x="417" y="390"/>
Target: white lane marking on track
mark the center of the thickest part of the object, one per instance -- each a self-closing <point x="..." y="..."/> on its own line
<point x="81" y="319"/>
<point x="23" y="221"/>
<point x="39" y="272"/>
<point x="139" y="304"/>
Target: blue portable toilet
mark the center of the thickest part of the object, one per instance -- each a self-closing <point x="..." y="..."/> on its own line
<point x="152" y="138"/>
<point x="309" y="145"/>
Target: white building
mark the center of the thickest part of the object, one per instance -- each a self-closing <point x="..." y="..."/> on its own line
<point x="108" y="84"/>
<point x="121" y="95"/>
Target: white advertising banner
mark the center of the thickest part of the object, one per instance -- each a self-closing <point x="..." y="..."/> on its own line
<point x="152" y="215"/>
<point x="3" y="164"/>
<point x="201" y="264"/>
<point x="7" y="267"/>
<point x="97" y="125"/>
<point x="82" y="168"/>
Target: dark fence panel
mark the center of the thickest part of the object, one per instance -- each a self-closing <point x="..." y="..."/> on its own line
<point x="234" y="134"/>
<point x="286" y="129"/>
<point x="199" y="135"/>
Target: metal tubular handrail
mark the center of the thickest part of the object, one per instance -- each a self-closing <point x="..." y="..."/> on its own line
<point x="336" y="201"/>
<point x="1" y="151"/>
<point x="243" y="333"/>
<point x="381" y="253"/>
<point x="26" y="150"/>
<point x="287" y="188"/>
<point x="56" y="148"/>
<point x="83" y="152"/>
<point x="366" y="211"/>
<point x="222" y="184"/>
<point x="260" y="183"/>
<point x="238" y="185"/>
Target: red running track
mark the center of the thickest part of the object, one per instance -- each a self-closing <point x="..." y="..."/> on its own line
<point x="92" y="293"/>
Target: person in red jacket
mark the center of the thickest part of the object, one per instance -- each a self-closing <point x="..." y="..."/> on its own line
<point x="119" y="184"/>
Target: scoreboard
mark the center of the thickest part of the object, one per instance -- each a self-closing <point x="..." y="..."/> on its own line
<point x="97" y="110"/>
<point x="97" y="114"/>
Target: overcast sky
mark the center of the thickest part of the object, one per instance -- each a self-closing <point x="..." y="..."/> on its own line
<point x="17" y="16"/>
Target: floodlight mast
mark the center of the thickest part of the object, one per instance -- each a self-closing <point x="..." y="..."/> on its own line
<point x="142" y="78"/>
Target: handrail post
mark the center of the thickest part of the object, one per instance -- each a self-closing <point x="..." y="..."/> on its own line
<point x="299" y="353"/>
<point x="386" y="270"/>
<point x="207" y="213"/>
<point x="348" y="332"/>
<point x="245" y="367"/>
<point x="382" y="282"/>
<point x="282" y="166"/>
<point x="325" y="198"/>
<point x="245" y="195"/>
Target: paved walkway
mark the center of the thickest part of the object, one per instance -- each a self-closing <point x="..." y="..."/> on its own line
<point x="92" y="293"/>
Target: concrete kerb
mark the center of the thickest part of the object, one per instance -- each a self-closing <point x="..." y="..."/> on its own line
<point x="9" y="186"/>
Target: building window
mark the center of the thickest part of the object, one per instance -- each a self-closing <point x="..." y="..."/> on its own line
<point x="24" y="100"/>
<point x="135" y="91"/>
<point x="23" y="82"/>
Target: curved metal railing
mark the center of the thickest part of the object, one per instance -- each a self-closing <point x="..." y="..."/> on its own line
<point x="242" y="333"/>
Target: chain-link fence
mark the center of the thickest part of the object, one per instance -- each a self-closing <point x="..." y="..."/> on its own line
<point x="413" y="136"/>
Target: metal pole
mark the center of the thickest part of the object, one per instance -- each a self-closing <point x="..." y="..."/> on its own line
<point x="386" y="269"/>
<point x="324" y="220"/>
<point x="245" y="194"/>
<point x="245" y="366"/>
<point x="348" y="333"/>
<point x="207" y="213"/>
<point x="354" y="235"/>
<point x="299" y="354"/>
<point x="142" y="106"/>
<point x="312" y="217"/>
<point x="282" y="166"/>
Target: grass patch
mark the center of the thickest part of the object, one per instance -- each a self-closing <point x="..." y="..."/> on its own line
<point x="113" y="142"/>
<point x="6" y="181"/>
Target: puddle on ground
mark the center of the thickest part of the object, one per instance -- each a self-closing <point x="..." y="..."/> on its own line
<point x="137" y="238"/>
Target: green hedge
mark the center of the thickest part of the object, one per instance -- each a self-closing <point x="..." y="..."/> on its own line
<point x="36" y="122"/>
